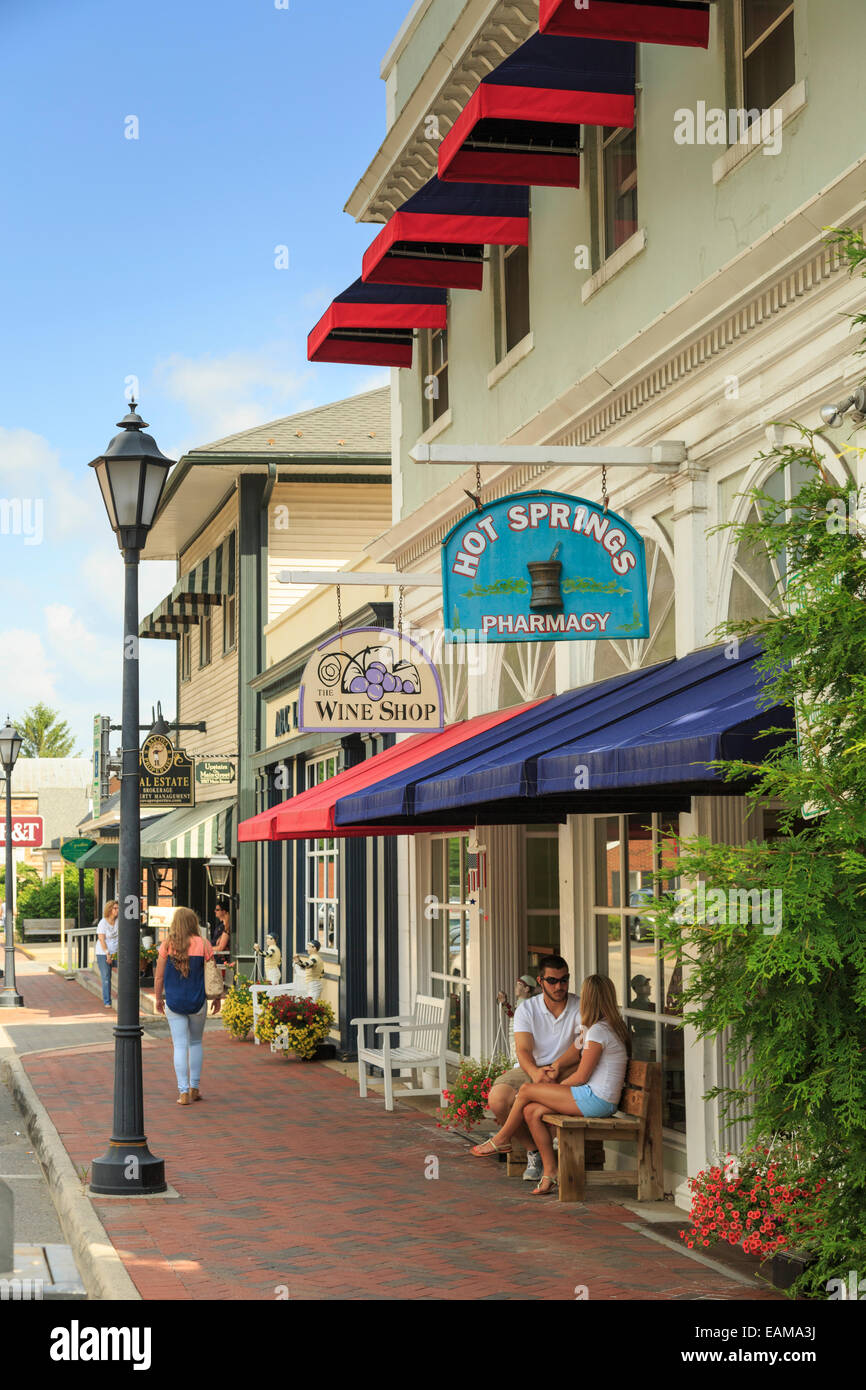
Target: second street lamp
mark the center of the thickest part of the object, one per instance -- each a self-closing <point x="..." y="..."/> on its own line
<point x="10" y="747"/>
<point x="132" y="474"/>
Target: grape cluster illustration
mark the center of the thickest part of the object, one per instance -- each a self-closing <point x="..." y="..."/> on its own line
<point x="374" y="674"/>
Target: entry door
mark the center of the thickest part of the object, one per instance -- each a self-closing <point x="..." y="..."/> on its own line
<point x="448" y="915"/>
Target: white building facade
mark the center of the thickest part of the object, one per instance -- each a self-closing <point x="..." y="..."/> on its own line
<point x="685" y="292"/>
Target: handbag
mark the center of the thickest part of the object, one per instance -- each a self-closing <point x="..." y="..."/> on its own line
<point x="213" y="980"/>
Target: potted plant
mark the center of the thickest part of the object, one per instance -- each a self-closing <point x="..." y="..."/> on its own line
<point x="466" y="1102"/>
<point x="294" y="1024"/>
<point x="147" y="958"/>
<point x="764" y="1202"/>
<point x="237" y="1008"/>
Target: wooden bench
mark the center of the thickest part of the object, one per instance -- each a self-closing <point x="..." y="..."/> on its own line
<point x="640" y="1121"/>
<point x="428" y="1029"/>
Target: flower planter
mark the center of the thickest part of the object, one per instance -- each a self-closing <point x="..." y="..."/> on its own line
<point x="786" y="1267"/>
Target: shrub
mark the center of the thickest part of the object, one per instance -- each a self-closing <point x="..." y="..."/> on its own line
<point x="237" y="1008"/>
<point x="467" y="1100"/>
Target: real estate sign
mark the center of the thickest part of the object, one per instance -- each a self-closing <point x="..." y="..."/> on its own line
<point x="166" y="774"/>
<point x="544" y="567"/>
<point x="367" y="679"/>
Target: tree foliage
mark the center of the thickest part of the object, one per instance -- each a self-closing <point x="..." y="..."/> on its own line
<point x="45" y="734"/>
<point x="793" y="1002"/>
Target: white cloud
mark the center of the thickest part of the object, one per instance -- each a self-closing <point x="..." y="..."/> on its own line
<point x="224" y="395"/>
<point x="77" y="648"/>
<point x="29" y="674"/>
<point x="30" y="468"/>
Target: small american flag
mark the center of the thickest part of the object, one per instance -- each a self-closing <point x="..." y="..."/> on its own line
<point x="476" y="863"/>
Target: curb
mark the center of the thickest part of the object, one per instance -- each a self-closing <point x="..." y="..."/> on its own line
<point x="93" y="986"/>
<point x="102" y="1270"/>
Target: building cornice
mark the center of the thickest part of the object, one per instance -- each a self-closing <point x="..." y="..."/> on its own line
<point x="484" y="34"/>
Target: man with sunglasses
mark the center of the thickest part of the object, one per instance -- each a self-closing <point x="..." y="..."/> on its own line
<point x="545" y="1029"/>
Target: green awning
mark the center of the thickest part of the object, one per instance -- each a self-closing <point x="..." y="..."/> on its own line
<point x="100" y="857"/>
<point x="200" y="590"/>
<point x="193" y="832"/>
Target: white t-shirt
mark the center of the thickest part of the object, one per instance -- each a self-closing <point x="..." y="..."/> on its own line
<point x="111" y="934"/>
<point x="550" y="1036"/>
<point x="607" y="1079"/>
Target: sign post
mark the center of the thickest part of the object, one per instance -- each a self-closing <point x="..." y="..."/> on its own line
<point x="72" y="851"/>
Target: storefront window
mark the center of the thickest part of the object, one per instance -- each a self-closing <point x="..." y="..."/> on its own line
<point x="627" y="850"/>
<point x="322" y="856"/>
<point x="542" y="893"/>
<point x="448" y="915"/>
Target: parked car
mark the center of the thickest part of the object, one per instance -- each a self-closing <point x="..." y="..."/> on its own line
<point x="641" y="928"/>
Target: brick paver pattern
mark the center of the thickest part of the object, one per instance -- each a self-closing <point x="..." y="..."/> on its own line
<point x="291" y="1186"/>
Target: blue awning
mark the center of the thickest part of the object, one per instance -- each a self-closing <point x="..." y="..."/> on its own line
<point x="644" y="737"/>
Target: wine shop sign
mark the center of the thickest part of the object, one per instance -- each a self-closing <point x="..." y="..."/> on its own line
<point x="544" y="567"/>
<point x="369" y="678"/>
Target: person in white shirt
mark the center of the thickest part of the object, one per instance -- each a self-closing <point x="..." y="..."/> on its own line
<point x="603" y="1046"/>
<point x="545" y="1027"/>
<point x="107" y="934"/>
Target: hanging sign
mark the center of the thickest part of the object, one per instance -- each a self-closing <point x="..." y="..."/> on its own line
<point x="544" y="567"/>
<point x="214" y="772"/>
<point x="370" y="678"/>
<point x="73" y="850"/>
<point x="166" y="773"/>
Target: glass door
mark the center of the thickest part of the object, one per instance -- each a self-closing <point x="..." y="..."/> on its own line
<point x="448" y="916"/>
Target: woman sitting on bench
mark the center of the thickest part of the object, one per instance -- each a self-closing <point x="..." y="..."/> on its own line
<point x="606" y="1049"/>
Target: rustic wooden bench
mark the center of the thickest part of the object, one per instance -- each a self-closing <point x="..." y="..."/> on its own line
<point x="639" y="1120"/>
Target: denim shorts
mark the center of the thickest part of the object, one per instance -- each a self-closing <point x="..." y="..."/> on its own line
<point x="591" y="1105"/>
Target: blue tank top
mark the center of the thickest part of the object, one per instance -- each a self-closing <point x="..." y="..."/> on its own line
<point x="184" y="994"/>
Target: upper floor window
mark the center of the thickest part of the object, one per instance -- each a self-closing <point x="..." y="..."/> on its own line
<point x="766" y="56"/>
<point x="185" y="656"/>
<point x="204" y="641"/>
<point x="513" y="308"/>
<point x="230" y="634"/>
<point x="435" y="360"/>
<point x="618" y="169"/>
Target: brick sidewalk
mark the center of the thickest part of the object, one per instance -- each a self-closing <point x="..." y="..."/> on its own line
<point x="288" y="1180"/>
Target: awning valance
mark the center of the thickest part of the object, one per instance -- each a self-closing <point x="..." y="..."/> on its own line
<point x="200" y="590"/>
<point x="310" y="815"/>
<point x="644" y="738"/>
<point x="682" y="22"/>
<point x="374" y="324"/>
<point x="522" y="124"/>
<point x="438" y="236"/>
<point x="193" y="832"/>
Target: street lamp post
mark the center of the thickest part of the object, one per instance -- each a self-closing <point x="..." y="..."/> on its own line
<point x="131" y="474"/>
<point x="10" y="747"/>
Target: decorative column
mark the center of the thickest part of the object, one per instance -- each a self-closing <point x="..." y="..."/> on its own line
<point x="691" y="508"/>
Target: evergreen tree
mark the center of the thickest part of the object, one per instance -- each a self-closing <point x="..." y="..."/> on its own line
<point x="45" y="734"/>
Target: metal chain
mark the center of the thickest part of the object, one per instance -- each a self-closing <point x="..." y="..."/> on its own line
<point x="340" y="616"/>
<point x="478" y="481"/>
<point x="604" y="496"/>
<point x="400" y="592"/>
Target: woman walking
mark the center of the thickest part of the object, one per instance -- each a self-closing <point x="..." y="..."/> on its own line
<point x="606" y="1048"/>
<point x="179" y="989"/>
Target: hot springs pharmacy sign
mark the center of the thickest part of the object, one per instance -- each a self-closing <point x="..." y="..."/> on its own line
<point x="544" y="566"/>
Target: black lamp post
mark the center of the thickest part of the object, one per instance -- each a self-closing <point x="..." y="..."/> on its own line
<point x="10" y="747"/>
<point x="132" y="474"/>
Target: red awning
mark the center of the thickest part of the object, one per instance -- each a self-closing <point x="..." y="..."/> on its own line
<point x="682" y="22"/>
<point x="310" y="816"/>
<point x="438" y="236"/>
<point x="373" y="324"/>
<point x="522" y="124"/>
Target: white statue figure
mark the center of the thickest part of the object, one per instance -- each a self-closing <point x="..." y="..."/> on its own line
<point x="273" y="960"/>
<point x="314" y="969"/>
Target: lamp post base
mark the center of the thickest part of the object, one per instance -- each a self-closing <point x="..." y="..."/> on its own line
<point x="127" y="1170"/>
<point x="10" y="998"/>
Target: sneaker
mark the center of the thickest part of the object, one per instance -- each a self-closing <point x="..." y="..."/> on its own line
<point x="534" y="1170"/>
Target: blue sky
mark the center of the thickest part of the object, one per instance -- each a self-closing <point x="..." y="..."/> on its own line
<point x="154" y="258"/>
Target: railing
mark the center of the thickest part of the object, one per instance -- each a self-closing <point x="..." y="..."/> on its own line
<point x="81" y="936"/>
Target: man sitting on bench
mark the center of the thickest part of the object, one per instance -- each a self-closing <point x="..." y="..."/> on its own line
<point x="606" y="1050"/>
<point x="545" y="1028"/>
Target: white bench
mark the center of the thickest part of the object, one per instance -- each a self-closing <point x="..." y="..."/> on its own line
<point x="271" y="992"/>
<point x="427" y="1028"/>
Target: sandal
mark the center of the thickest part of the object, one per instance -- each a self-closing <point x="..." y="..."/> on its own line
<point x="183" y="1098"/>
<point x="541" y="1190"/>
<point x="482" y="1151"/>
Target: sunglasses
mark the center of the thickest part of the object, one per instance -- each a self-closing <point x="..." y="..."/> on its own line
<point x="555" y="979"/>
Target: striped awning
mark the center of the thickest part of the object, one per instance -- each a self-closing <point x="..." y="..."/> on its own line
<point x="193" y="832"/>
<point x="201" y="589"/>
